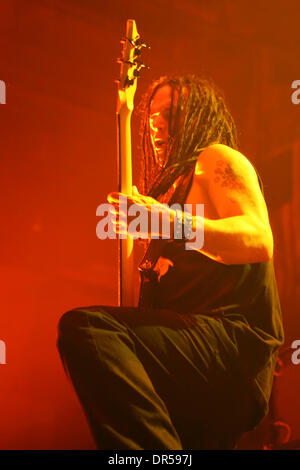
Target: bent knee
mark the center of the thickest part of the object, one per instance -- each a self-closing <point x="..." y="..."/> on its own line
<point x="79" y="319"/>
<point x="68" y="321"/>
<point x="72" y="332"/>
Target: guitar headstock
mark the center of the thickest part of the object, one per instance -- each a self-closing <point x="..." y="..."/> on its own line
<point x="131" y="65"/>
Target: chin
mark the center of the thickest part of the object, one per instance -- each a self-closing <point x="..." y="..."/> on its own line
<point x="160" y="158"/>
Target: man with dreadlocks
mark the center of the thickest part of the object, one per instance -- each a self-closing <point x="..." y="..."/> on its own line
<point x="191" y="367"/>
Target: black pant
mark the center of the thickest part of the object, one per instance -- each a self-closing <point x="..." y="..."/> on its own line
<point x="157" y="380"/>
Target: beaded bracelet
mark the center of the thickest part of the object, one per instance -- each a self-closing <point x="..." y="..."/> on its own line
<point x="183" y="225"/>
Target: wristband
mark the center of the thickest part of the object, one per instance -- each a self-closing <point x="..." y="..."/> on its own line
<point x="187" y="225"/>
<point x="183" y="225"/>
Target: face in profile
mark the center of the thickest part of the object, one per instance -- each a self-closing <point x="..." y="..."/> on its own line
<point x="159" y="122"/>
<point x="159" y="119"/>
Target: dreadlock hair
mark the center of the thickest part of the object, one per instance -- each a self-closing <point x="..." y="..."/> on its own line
<point x="206" y="120"/>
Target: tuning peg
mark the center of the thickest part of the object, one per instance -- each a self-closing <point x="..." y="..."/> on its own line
<point x="140" y="44"/>
<point x="143" y="66"/>
<point x="120" y="60"/>
<point x="137" y="71"/>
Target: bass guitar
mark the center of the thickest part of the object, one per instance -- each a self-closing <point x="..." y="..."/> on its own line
<point x="130" y="69"/>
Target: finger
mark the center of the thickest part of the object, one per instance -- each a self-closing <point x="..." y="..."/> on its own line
<point x="117" y="208"/>
<point x="118" y="223"/>
<point x="114" y="214"/>
<point x="114" y="197"/>
<point x="120" y="229"/>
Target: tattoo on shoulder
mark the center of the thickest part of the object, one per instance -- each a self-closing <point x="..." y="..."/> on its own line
<point x="224" y="175"/>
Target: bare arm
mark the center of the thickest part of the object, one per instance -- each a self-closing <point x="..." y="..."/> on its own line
<point x="242" y="233"/>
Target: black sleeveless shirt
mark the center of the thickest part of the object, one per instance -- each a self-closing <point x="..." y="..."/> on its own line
<point x="244" y="296"/>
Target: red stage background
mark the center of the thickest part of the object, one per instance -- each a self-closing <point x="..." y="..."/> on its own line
<point x="58" y="162"/>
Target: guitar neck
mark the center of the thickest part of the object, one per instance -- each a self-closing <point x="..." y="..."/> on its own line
<point x="125" y="251"/>
<point x="124" y="151"/>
